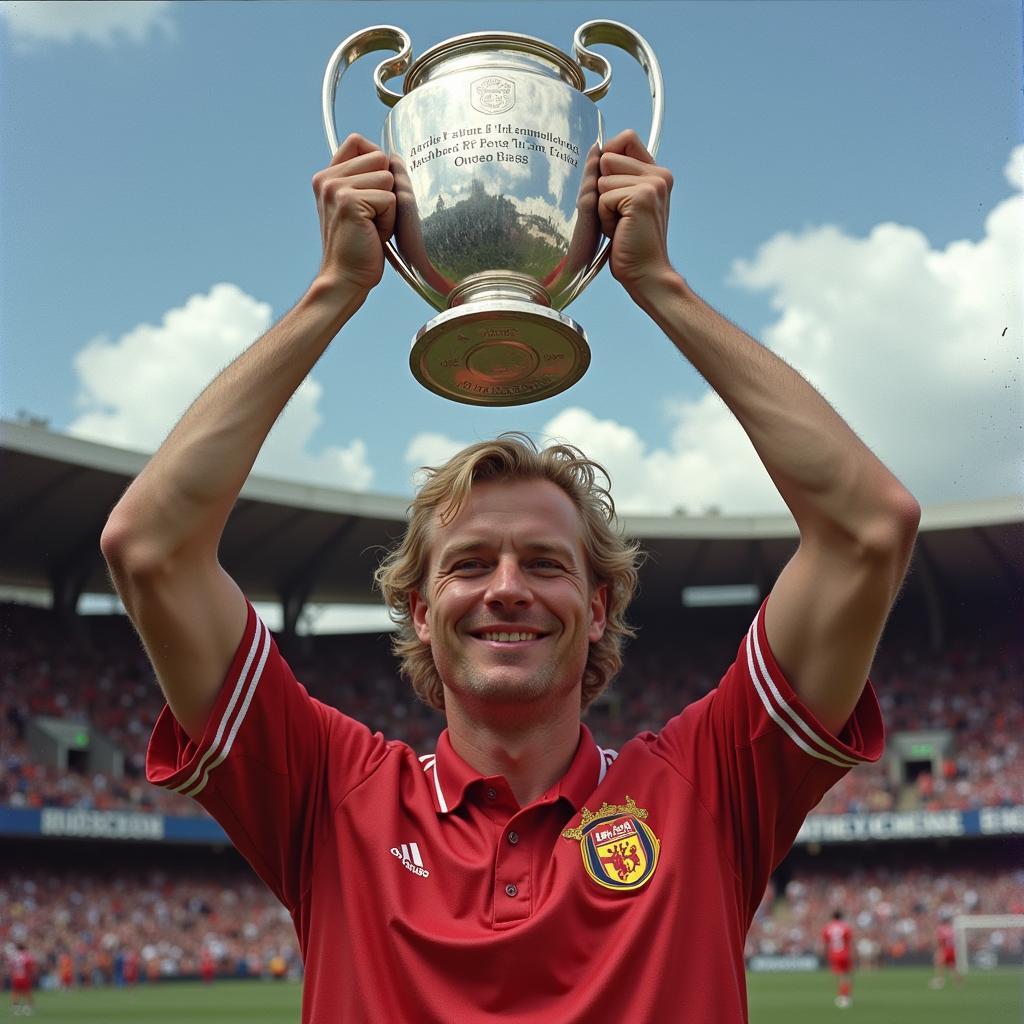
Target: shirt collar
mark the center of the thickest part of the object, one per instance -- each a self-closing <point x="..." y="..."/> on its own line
<point x="450" y="776"/>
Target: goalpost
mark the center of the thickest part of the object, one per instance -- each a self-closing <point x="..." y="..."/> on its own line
<point x="964" y="923"/>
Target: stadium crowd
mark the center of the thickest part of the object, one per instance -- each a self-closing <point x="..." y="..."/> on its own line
<point x="87" y="927"/>
<point x="894" y="912"/>
<point x="146" y="924"/>
<point x="95" y="672"/>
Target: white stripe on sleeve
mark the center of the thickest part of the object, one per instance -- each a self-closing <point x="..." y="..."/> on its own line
<point x="762" y="679"/>
<point x="248" y="679"/>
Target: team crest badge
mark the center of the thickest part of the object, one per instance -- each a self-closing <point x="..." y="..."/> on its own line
<point x="619" y="849"/>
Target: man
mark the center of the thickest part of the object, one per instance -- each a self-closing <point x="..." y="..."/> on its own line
<point x="22" y="971"/>
<point x="518" y="872"/>
<point x="945" y="952"/>
<point x="837" y="937"/>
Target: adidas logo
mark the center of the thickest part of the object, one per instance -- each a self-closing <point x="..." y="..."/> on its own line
<point x="409" y="855"/>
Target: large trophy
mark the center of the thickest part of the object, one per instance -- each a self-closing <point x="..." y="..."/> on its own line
<point x="494" y="145"/>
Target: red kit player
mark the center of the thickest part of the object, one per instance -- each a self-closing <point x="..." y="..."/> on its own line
<point x="945" y="954"/>
<point x="207" y="966"/>
<point x="22" y="967"/>
<point x="837" y="936"/>
<point x="517" y="873"/>
<point x="131" y="967"/>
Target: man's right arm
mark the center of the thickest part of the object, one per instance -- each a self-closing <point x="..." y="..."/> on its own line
<point x="162" y="538"/>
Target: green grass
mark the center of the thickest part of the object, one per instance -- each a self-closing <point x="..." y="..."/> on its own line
<point x="894" y="996"/>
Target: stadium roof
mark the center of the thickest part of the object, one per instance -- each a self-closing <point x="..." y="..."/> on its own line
<point x="295" y="543"/>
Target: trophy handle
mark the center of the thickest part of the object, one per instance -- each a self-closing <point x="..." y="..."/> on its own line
<point x="625" y="38"/>
<point x="379" y="37"/>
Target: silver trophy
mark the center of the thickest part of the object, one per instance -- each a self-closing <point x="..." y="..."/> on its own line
<point x="494" y="145"/>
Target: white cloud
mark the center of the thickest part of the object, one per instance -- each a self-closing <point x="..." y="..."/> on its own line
<point x="707" y="463"/>
<point x="708" y="456"/>
<point x="98" y="21"/>
<point x="430" y="449"/>
<point x="1014" y="169"/>
<point x="919" y="349"/>
<point x="134" y="389"/>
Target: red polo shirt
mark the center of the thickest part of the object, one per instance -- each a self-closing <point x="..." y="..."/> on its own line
<point x="422" y="891"/>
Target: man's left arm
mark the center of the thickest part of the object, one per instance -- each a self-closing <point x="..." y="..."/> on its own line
<point x="857" y="522"/>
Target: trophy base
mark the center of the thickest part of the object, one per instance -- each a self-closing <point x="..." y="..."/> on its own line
<point x="499" y="352"/>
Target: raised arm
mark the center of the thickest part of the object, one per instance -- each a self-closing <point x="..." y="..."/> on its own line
<point x="161" y="540"/>
<point x="857" y="522"/>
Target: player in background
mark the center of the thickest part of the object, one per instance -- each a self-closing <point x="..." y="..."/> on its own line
<point x="22" y="968"/>
<point x="65" y="971"/>
<point x="207" y="966"/>
<point x="945" y="953"/>
<point x="837" y="936"/>
<point x="131" y="967"/>
<point x="868" y="951"/>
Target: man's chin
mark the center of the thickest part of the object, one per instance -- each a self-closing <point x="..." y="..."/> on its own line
<point x="509" y="687"/>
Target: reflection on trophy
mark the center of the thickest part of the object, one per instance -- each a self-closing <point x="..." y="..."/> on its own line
<point x="494" y="145"/>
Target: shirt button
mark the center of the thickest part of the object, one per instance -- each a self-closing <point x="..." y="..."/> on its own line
<point x="511" y="890"/>
<point x="492" y="793"/>
<point x="513" y="838"/>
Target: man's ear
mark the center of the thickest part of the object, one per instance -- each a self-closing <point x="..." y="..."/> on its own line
<point x="598" y="613"/>
<point x="418" y="610"/>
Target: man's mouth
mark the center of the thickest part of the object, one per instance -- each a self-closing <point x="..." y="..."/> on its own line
<point x="501" y="636"/>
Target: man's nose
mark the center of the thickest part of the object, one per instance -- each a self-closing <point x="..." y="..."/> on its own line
<point x="508" y="584"/>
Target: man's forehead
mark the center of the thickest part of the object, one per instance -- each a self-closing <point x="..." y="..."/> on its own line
<point x="519" y="540"/>
<point x="530" y="513"/>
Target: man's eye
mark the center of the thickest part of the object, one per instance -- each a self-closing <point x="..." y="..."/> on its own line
<point x="546" y="563"/>
<point x="468" y="565"/>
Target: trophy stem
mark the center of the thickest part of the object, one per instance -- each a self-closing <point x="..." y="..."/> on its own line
<point x="497" y="286"/>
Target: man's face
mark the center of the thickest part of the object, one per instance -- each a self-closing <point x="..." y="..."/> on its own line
<point x="506" y="605"/>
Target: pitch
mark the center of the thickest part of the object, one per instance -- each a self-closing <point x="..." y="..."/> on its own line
<point x="894" y="996"/>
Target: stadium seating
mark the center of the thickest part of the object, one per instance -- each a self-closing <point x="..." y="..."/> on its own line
<point x="96" y="673"/>
<point x="894" y="910"/>
<point x="161" y="922"/>
<point x="166" y="918"/>
<point x="165" y="912"/>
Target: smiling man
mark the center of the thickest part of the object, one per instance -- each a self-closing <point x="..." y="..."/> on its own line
<point x="518" y="872"/>
<point x="503" y="603"/>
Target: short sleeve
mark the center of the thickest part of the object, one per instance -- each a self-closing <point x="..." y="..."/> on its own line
<point x="759" y="759"/>
<point x="272" y="763"/>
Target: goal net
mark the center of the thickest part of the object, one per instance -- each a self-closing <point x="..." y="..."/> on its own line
<point x="988" y="940"/>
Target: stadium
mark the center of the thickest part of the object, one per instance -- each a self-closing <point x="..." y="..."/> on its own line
<point x="118" y="889"/>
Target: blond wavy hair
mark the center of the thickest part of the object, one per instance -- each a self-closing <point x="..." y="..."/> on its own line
<point x="611" y="559"/>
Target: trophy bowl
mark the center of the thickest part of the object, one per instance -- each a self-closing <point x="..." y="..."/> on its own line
<point x="494" y="144"/>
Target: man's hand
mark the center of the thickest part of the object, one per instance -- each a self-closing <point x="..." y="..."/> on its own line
<point x="356" y="202"/>
<point x="633" y="210"/>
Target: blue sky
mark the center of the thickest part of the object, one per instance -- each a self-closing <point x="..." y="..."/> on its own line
<point x="848" y="190"/>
